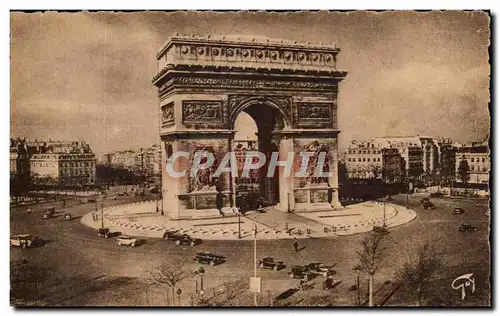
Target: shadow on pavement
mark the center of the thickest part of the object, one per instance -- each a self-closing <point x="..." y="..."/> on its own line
<point x="286" y="294"/>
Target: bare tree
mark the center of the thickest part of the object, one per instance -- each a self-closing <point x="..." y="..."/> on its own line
<point x="371" y="255"/>
<point x="419" y="271"/>
<point x="170" y="275"/>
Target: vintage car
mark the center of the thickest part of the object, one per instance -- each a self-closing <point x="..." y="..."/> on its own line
<point x="424" y="200"/>
<point x="270" y="263"/>
<point x="49" y="212"/>
<point x="181" y="239"/>
<point x="300" y="272"/>
<point x="124" y="240"/>
<point x="209" y="258"/>
<point x="436" y="194"/>
<point x="24" y="241"/>
<point x="458" y="210"/>
<point x="320" y="269"/>
<point x="465" y="228"/>
<point x="68" y="217"/>
<point x="428" y="206"/>
<point x="103" y="232"/>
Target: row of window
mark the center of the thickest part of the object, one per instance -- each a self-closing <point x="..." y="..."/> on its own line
<point x="76" y="164"/>
<point x="484" y="169"/>
<point x="369" y="152"/>
<point x="477" y="159"/>
<point x="363" y="159"/>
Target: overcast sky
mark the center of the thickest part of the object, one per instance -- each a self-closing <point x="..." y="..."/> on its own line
<point x="88" y="76"/>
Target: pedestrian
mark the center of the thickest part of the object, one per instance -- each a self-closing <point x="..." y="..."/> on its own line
<point x="296" y="245"/>
<point x="286" y="228"/>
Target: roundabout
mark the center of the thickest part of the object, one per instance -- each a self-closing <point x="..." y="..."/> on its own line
<point x="141" y="219"/>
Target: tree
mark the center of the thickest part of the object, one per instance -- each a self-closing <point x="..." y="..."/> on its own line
<point x="463" y="170"/>
<point x="371" y="255"/>
<point x="419" y="271"/>
<point x="170" y="276"/>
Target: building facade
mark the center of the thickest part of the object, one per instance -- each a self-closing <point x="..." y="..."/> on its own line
<point x="64" y="164"/>
<point x="371" y="160"/>
<point x="19" y="162"/>
<point x="144" y="161"/>
<point x="364" y="160"/>
<point x="410" y="148"/>
<point x="477" y="157"/>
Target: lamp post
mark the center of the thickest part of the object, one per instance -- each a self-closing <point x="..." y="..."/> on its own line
<point x="255" y="262"/>
<point x="201" y="273"/>
<point x="357" y="268"/>
<point x="239" y="224"/>
<point x="102" y="214"/>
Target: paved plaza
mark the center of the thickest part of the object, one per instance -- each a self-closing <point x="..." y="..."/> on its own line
<point x="141" y="219"/>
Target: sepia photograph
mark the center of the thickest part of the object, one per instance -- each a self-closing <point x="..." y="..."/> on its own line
<point x="200" y="159"/>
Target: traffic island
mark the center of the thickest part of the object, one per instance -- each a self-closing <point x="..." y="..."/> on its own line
<point x="141" y="219"/>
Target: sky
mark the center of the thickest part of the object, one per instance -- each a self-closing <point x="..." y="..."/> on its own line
<point x="87" y="76"/>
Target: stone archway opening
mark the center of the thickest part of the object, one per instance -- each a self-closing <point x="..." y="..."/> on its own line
<point x="254" y="126"/>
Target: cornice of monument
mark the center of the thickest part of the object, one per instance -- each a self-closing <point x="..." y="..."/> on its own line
<point x="246" y="53"/>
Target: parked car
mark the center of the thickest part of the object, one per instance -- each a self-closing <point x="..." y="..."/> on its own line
<point x="270" y="263"/>
<point x="169" y="234"/>
<point x="24" y="241"/>
<point x="436" y="194"/>
<point x="114" y="197"/>
<point x="103" y="232"/>
<point x="181" y="239"/>
<point x="49" y="212"/>
<point x="68" y="217"/>
<point x="465" y="228"/>
<point x="424" y="200"/>
<point x="300" y="272"/>
<point x="428" y="206"/>
<point x="122" y="194"/>
<point x="458" y="210"/>
<point x="126" y="240"/>
<point x="320" y="269"/>
<point x="209" y="258"/>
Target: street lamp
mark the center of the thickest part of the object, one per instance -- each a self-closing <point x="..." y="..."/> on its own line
<point x="102" y="214"/>
<point x="239" y="224"/>
<point x="255" y="262"/>
<point x="357" y="268"/>
<point x="201" y="273"/>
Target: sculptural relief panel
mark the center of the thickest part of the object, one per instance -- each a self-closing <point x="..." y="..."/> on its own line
<point x="203" y="113"/>
<point x="167" y="115"/>
<point x="315" y="115"/>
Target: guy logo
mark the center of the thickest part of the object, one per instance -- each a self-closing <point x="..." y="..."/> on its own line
<point x="463" y="282"/>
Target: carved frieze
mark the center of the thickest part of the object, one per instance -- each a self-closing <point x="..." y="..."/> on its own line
<point x="167" y="115"/>
<point x="202" y="111"/>
<point x="252" y="83"/>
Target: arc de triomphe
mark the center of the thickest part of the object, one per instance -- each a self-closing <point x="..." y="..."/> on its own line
<point x="289" y="88"/>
